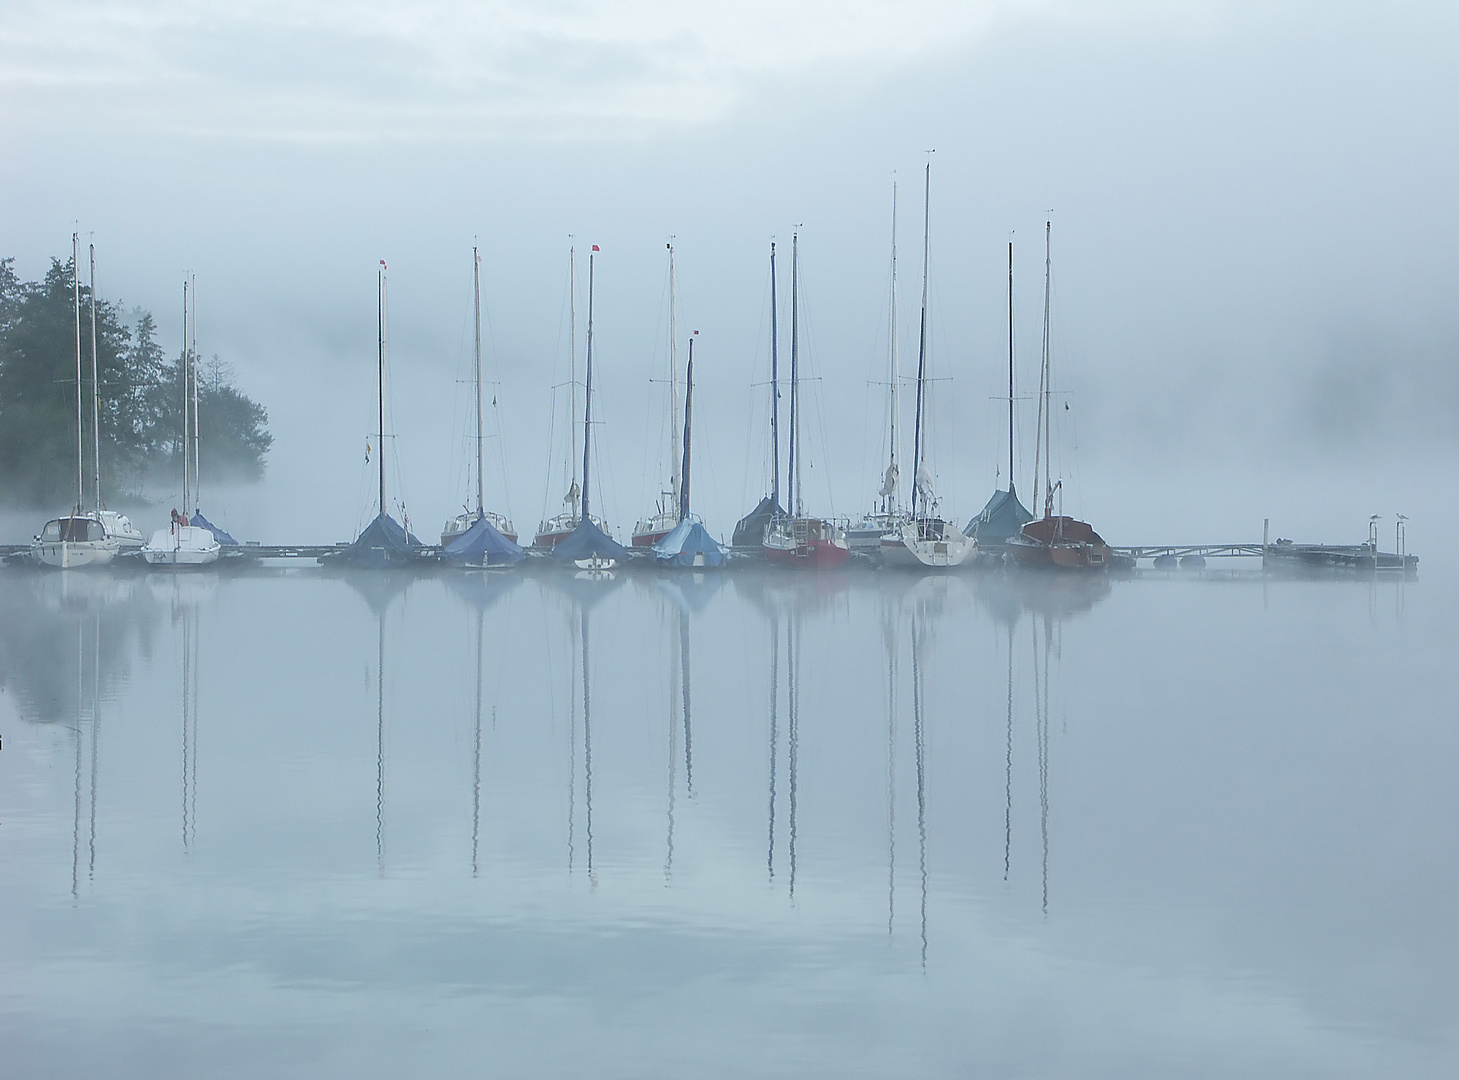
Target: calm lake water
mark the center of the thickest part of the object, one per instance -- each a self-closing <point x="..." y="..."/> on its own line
<point x="284" y="823"/>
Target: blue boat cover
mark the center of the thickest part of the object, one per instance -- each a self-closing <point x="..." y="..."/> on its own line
<point x="586" y="541"/>
<point x="686" y="541"/>
<point x="218" y="534"/>
<point x="1001" y="519"/>
<point x="483" y="545"/>
<point x="383" y="543"/>
<point x="750" y="529"/>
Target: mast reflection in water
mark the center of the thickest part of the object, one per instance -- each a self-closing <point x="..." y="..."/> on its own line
<point x="764" y="743"/>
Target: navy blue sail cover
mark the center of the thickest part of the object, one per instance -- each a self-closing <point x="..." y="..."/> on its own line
<point x="587" y="541"/>
<point x="1001" y="519"/>
<point x="218" y="534"/>
<point x="483" y="545"/>
<point x="750" y="529"/>
<point x="383" y="543"/>
<point x="688" y="544"/>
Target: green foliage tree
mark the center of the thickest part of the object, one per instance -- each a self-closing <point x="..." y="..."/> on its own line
<point x="139" y="404"/>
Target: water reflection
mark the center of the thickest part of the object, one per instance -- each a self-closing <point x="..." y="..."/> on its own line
<point x="778" y="750"/>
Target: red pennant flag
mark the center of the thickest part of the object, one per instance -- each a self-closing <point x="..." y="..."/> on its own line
<point x="383" y="266"/>
<point x="595" y="247"/>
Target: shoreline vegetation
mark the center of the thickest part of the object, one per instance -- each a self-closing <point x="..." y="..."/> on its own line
<point x="140" y="403"/>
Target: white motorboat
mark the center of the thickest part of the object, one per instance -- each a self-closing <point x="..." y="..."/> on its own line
<point x="181" y="545"/>
<point x="120" y="528"/>
<point x="69" y="542"/>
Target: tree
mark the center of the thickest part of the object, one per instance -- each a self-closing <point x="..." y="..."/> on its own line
<point x="139" y="404"/>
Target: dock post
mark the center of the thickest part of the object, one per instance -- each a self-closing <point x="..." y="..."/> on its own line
<point x="1266" y="532"/>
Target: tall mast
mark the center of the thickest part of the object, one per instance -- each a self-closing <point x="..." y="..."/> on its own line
<point x="76" y="298"/>
<point x="896" y="371"/>
<point x="572" y="363"/>
<point x="476" y="295"/>
<point x="793" y="475"/>
<point x="922" y="336"/>
<point x="688" y="407"/>
<point x="186" y="465"/>
<point x="1010" y="371"/>
<point x="95" y="388"/>
<point x="774" y="386"/>
<point x="197" y="460"/>
<point x="380" y="383"/>
<point x="674" y="450"/>
<point x="588" y="389"/>
<point x="1048" y="375"/>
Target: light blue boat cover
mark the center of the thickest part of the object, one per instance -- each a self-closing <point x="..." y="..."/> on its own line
<point x="218" y="534"/>
<point x="684" y="542"/>
<point x="383" y="543"/>
<point x="483" y="545"/>
<point x="586" y="541"/>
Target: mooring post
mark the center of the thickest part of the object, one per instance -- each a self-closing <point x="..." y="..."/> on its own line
<point x="1266" y="531"/>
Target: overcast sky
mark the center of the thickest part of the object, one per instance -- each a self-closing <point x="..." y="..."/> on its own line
<point x="1253" y="219"/>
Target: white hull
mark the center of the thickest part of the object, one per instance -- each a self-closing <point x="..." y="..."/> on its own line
<point x="66" y="555"/>
<point x="72" y="542"/>
<point x="119" y="527"/>
<point x="936" y="544"/>
<point x="461" y="524"/>
<point x="181" y="545"/>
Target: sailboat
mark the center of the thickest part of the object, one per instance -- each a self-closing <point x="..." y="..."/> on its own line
<point x="688" y="544"/>
<point x="749" y="534"/>
<point x="588" y="546"/>
<point x="384" y="542"/>
<point x="458" y="525"/>
<point x="82" y="539"/>
<point x="184" y="543"/>
<point x="551" y="531"/>
<point x="654" y="528"/>
<point x="1054" y="540"/>
<point x="812" y="543"/>
<point x="925" y="539"/>
<point x="1003" y="515"/>
<point x="887" y="516"/>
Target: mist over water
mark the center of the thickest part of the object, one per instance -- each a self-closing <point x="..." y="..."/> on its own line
<point x="291" y="823"/>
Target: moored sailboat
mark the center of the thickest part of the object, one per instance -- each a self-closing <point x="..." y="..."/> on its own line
<point x="924" y="539"/>
<point x="552" y="531"/>
<point x="887" y="516"/>
<point x="384" y="543"/>
<point x="1003" y="515"/>
<point x="650" y="530"/>
<point x="688" y="544"/>
<point x="463" y="522"/>
<point x="588" y="546"/>
<point x="184" y="542"/>
<point x="1054" y="540"/>
<point x="749" y="535"/>
<point x="797" y="540"/>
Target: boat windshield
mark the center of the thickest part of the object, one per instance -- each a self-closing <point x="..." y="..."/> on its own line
<point x="72" y="530"/>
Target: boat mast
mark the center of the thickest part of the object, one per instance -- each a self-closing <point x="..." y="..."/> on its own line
<point x="380" y="383"/>
<point x="572" y="369"/>
<point x="688" y="407"/>
<point x="922" y="336"/>
<point x="896" y="371"/>
<point x="793" y="476"/>
<point x="197" y="458"/>
<point x="588" y="388"/>
<point x="674" y="451"/>
<point x="76" y="298"/>
<point x="186" y="465"/>
<point x="774" y="387"/>
<point x="476" y="295"/>
<point x="95" y="388"/>
<point x="1048" y="375"/>
<point x="1010" y="371"/>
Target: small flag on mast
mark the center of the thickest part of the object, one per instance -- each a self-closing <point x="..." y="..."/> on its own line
<point x="595" y="247"/>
